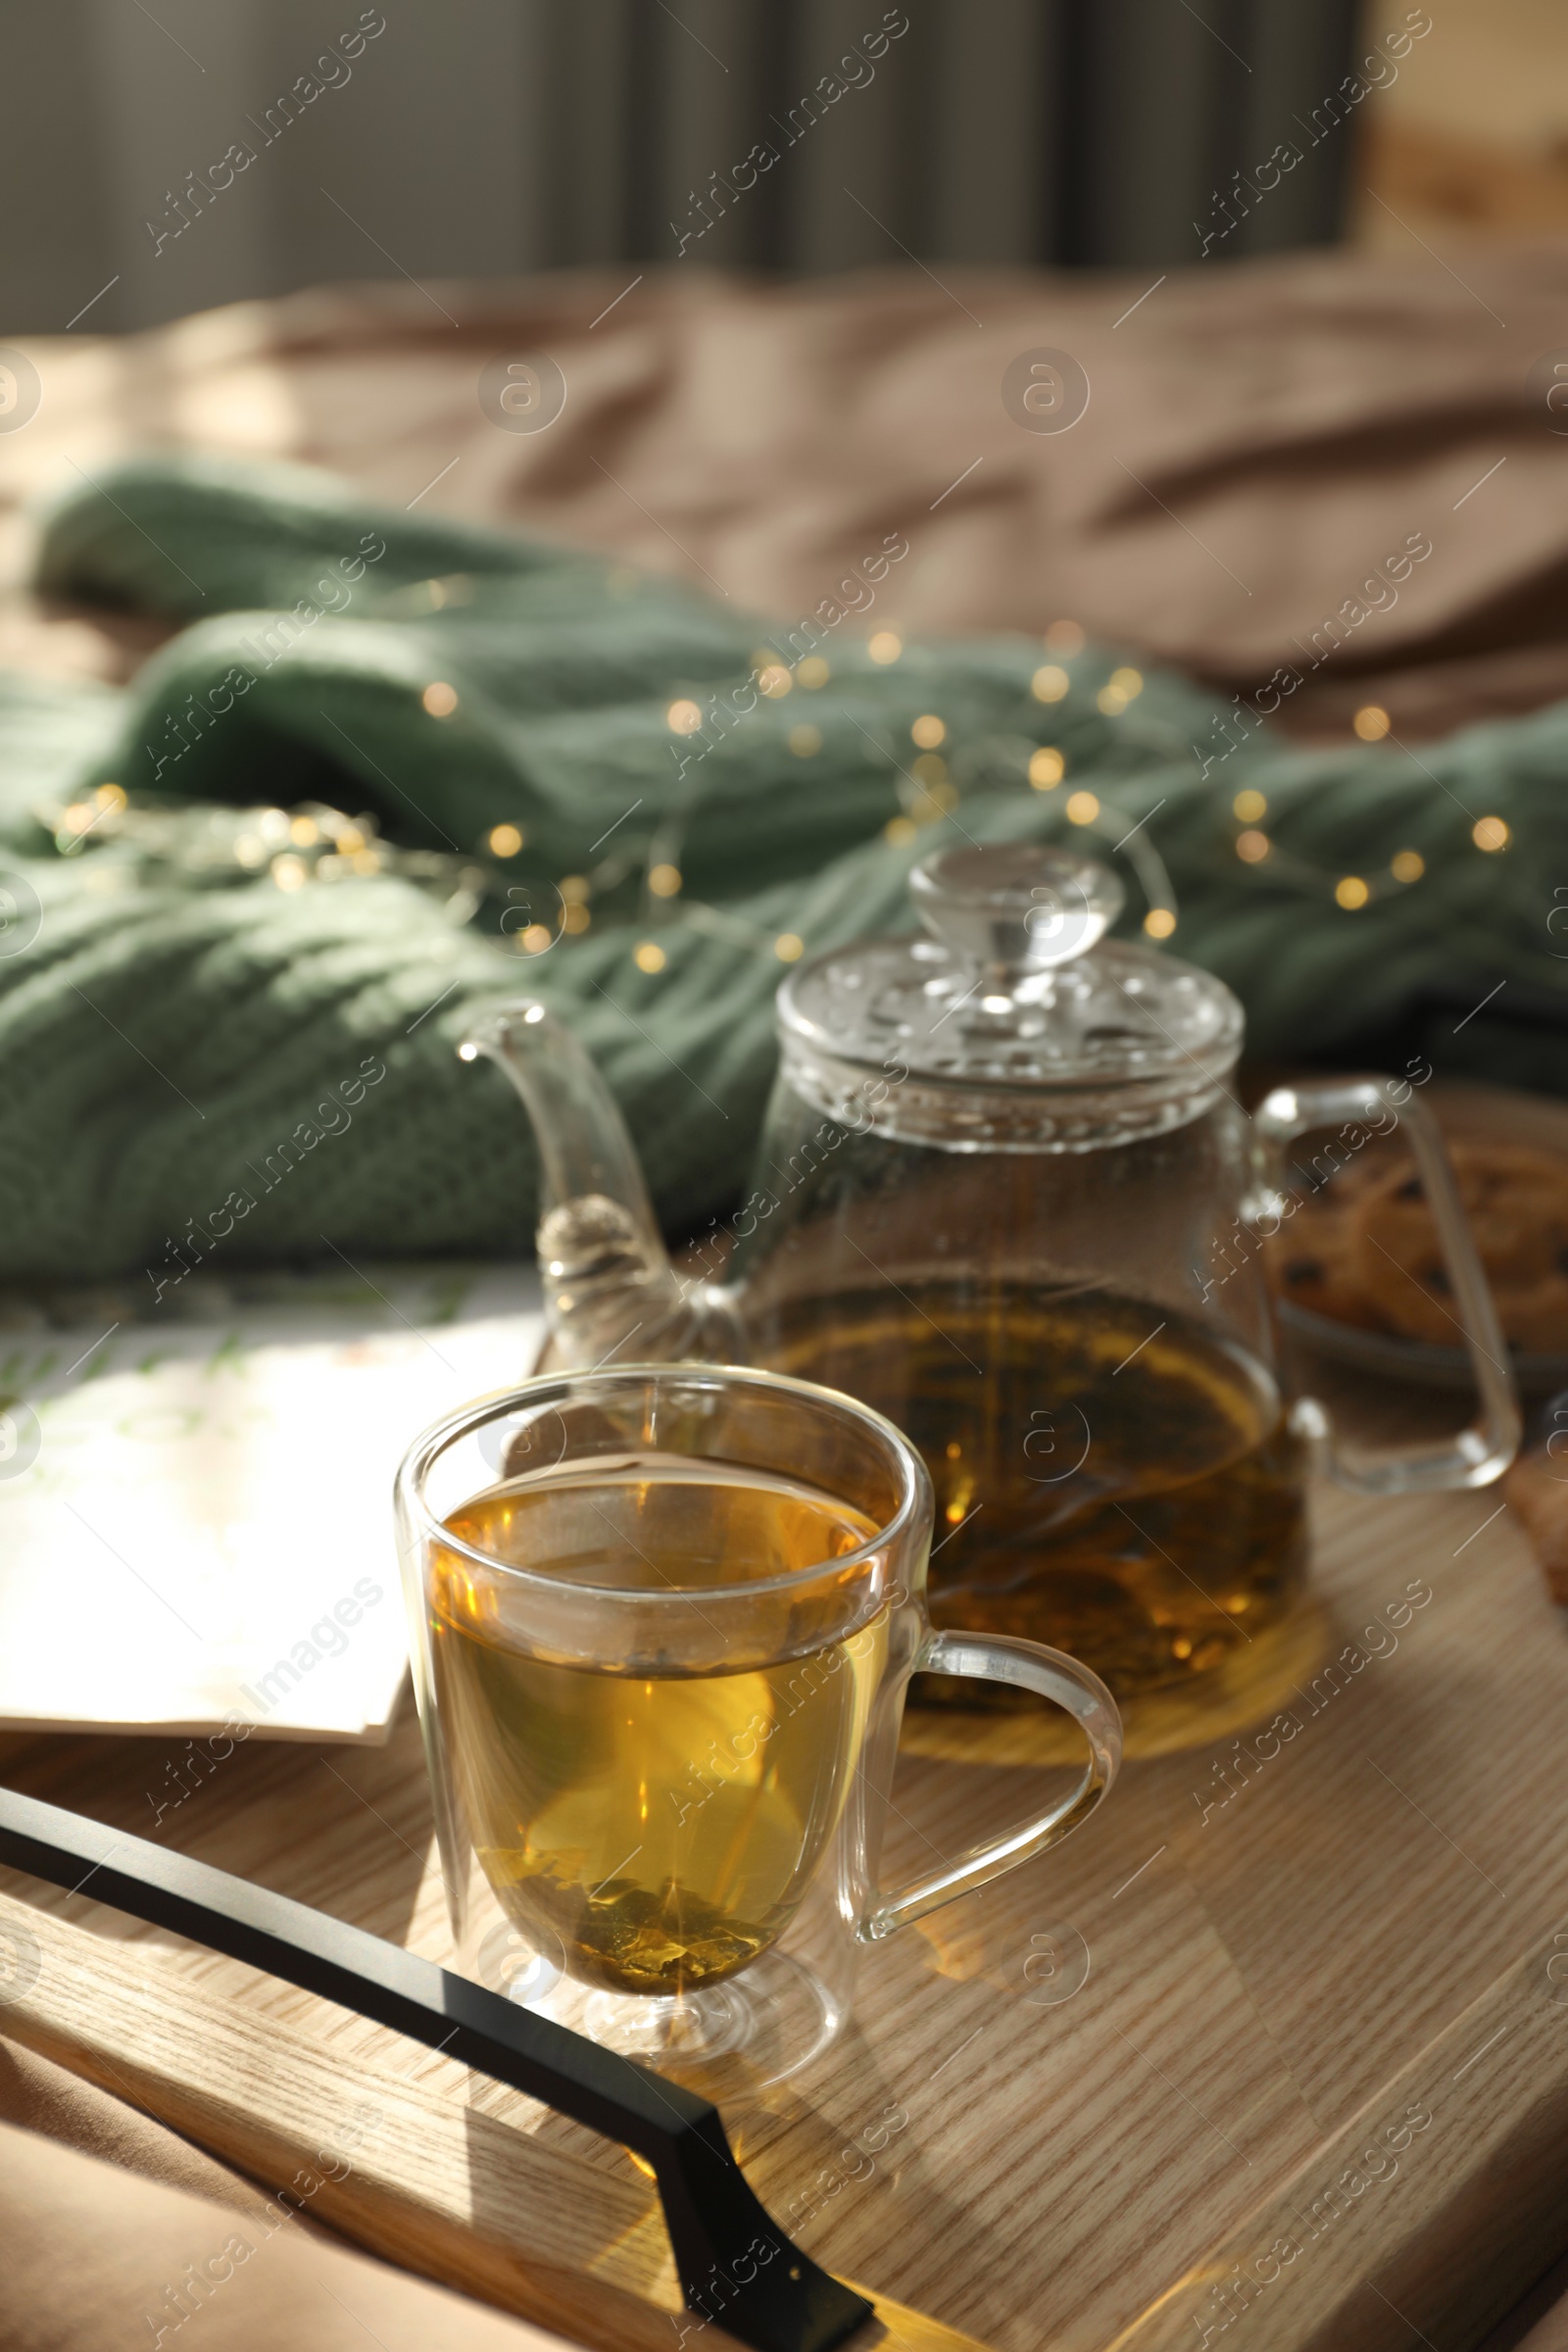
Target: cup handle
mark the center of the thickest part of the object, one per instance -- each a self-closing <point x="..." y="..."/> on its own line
<point x="1026" y="1666"/>
<point x="1483" y="1451"/>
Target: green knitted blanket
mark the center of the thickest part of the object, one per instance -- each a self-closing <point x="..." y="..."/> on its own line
<point x="393" y="767"/>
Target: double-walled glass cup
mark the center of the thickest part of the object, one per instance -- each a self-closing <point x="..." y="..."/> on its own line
<point x="663" y="1622"/>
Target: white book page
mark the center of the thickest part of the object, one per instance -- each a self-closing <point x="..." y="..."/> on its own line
<point x="196" y="1523"/>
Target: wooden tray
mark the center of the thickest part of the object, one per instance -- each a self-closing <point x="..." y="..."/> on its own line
<point x="1313" y="2086"/>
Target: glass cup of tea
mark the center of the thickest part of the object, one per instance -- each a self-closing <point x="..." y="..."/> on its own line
<point x="664" y="1618"/>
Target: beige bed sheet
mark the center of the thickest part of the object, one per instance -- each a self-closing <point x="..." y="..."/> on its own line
<point x="1259" y="440"/>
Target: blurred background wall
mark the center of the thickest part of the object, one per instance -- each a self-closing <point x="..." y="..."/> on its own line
<point x="1473" y="140"/>
<point x="483" y="137"/>
<point x="494" y="135"/>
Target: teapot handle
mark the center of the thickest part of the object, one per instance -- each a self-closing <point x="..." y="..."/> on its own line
<point x="1483" y="1451"/>
<point x="1024" y="1666"/>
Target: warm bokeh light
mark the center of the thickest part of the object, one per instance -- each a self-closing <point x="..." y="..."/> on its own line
<point x="1082" y="809"/>
<point x="1408" y="866"/>
<point x="1252" y="848"/>
<point x="928" y="731"/>
<point x="1351" y="892"/>
<point x="774" y="681"/>
<point x="1049" y="683"/>
<point x="1064" y="637"/>
<point x="683" y="718"/>
<point x="1490" y="833"/>
<point x="663" y="881"/>
<point x="440" y="699"/>
<point x="648" y="957"/>
<point x="505" y="840"/>
<point x="1160" y="923"/>
<point x="1047" y="767"/>
<point x="886" y="646"/>
<point x="898" y="830"/>
<point x="789" y="946"/>
<point x="1127" y="682"/>
<point x="1371" y="723"/>
<point x="813" y="671"/>
<point x="1250" y="806"/>
<point x="934" y="802"/>
<point x="805" y="740"/>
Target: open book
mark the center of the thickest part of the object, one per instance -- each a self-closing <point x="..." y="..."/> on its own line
<point x="196" y="1520"/>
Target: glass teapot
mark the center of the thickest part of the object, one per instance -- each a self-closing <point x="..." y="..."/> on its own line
<point x="1006" y="1194"/>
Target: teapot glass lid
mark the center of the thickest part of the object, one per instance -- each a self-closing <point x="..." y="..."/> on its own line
<point x="1016" y="984"/>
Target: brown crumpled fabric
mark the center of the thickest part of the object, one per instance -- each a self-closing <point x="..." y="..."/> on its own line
<point x="1260" y="439"/>
<point x="103" y="2211"/>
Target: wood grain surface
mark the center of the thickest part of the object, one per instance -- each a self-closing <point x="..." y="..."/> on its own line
<point x="1291" y="1942"/>
<point x="1273" y="2053"/>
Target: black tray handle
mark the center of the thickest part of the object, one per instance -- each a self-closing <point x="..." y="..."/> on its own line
<point x="737" y="2266"/>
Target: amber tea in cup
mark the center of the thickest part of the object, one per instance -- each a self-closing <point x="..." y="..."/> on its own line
<point x="662" y="1823"/>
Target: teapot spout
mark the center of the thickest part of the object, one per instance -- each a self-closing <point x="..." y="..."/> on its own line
<point x="608" y="1282"/>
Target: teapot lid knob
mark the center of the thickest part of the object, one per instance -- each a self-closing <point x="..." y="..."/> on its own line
<point x="1015" y="907"/>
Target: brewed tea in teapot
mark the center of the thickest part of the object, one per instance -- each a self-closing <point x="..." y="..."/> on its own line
<point x="1133" y="1485"/>
<point x="1006" y="1195"/>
